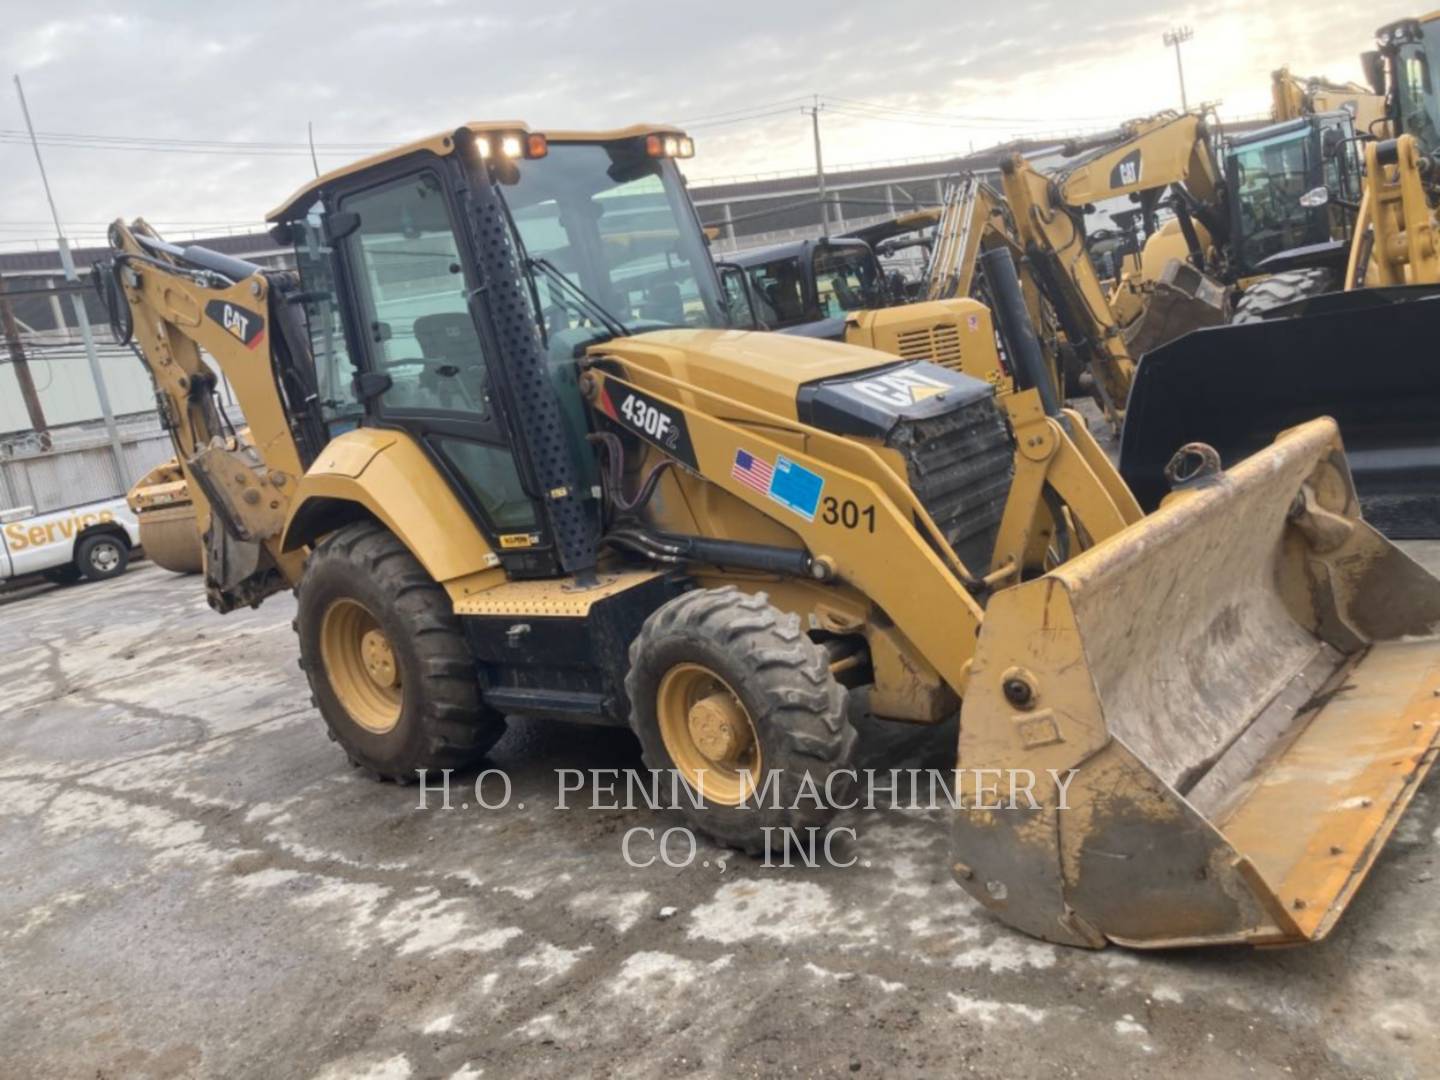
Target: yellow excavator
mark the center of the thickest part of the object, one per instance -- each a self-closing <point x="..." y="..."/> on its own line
<point x="1360" y="355"/>
<point x="512" y="459"/>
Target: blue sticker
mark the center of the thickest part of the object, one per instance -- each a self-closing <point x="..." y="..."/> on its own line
<point x="796" y="487"/>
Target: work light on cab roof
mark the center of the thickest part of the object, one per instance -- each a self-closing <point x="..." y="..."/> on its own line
<point x="512" y="144"/>
<point x="669" y="144"/>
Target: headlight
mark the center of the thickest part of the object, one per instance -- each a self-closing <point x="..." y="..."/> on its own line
<point x="510" y="146"/>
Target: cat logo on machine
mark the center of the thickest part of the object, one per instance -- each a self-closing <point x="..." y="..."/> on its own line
<point x="900" y="388"/>
<point x="239" y="322"/>
<point x="1126" y="171"/>
<point x="656" y="423"/>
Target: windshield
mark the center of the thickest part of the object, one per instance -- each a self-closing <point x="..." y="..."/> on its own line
<point x="619" y="226"/>
<point x="1268" y="177"/>
<point x="846" y="279"/>
<point x="1415" y="87"/>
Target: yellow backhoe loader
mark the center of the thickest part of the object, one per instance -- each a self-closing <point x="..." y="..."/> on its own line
<point x="511" y="459"/>
<point x="836" y="287"/>
<point x="1361" y="355"/>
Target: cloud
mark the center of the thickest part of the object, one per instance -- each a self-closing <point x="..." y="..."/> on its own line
<point x="384" y="72"/>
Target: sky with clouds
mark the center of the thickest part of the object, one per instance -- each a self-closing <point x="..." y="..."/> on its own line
<point x="902" y="78"/>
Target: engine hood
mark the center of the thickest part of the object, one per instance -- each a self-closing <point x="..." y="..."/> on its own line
<point x="765" y="370"/>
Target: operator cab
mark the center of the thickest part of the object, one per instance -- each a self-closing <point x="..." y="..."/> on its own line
<point x="810" y="287"/>
<point x="451" y="285"/>
<point x="1275" y="178"/>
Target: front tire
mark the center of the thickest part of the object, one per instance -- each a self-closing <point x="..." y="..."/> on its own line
<point x="102" y="556"/>
<point x="721" y="681"/>
<point x="387" y="662"/>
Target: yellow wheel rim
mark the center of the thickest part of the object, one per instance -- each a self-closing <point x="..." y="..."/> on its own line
<point x="709" y="734"/>
<point x="361" y="666"/>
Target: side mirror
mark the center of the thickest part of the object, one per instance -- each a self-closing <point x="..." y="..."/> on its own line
<point x="339" y="225"/>
<point x="1373" y="65"/>
<point x="1315" y="197"/>
<point x="739" y="297"/>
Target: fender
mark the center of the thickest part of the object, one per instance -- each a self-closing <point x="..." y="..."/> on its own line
<point x="370" y="472"/>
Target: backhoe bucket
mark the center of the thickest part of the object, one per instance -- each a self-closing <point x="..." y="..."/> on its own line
<point x="1226" y="707"/>
<point x="1181" y="299"/>
<point x="1358" y="357"/>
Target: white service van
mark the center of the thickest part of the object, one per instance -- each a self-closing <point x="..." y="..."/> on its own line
<point x="93" y="540"/>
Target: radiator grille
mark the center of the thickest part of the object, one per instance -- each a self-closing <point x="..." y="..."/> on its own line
<point x="940" y="344"/>
<point x="960" y="466"/>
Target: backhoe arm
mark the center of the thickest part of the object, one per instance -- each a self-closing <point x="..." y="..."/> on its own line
<point x="1054" y="240"/>
<point x="181" y="305"/>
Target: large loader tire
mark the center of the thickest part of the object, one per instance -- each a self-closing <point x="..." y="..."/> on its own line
<point x="721" y="681"/>
<point x="387" y="662"/>
<point x="1282" y="288"/>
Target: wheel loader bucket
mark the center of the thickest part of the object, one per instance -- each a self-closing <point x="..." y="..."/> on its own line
<point x="1226" y="707"/>
<point x="1361" y="357"/>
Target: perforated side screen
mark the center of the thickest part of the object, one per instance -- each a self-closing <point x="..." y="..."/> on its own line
<point x="537" y="413"/>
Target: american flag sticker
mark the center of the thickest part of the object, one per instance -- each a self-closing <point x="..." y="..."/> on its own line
<point x="791" y="485"/>
<point x="752" y="471"/>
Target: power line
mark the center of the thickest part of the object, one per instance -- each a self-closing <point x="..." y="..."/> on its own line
<point x="966" y="117"/>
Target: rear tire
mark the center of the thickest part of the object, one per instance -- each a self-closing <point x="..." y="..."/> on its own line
<point x="722" y="656"/>
<point x="102" y="556"/>
<point x="387" y="661"/>
<point x="1282" y="288"/>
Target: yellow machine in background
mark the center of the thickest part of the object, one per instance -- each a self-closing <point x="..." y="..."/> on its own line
<point x="1295" y="96"/>
<point x="1249" y="208"/>
<point x="1361" y="355"/>
<point x="160" y="501"/>
<point x="512" y="458"/>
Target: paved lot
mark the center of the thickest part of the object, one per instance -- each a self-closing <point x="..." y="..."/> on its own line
<point x="193" y="882"/>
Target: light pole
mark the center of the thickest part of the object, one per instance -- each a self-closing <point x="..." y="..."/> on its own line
<point x="1177" y="37"/>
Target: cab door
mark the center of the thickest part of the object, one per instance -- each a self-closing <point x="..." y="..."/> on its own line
<point x="425" y="367"/>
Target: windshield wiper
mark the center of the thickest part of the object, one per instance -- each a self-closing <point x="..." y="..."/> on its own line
<point x="593" y="306"/>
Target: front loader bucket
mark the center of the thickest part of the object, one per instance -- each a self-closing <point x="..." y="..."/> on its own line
<point x="1226" y="706"/>
<point x="1357" y="357"/>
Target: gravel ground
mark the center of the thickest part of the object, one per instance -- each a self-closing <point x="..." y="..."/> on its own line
<point x="193" y="882"/>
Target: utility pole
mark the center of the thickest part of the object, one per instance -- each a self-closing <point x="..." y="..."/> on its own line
<point x="1177" y="37"/>
<point x="82" y="319"/>
<point x="21" y="364"/>
<point x="814" y="112"/>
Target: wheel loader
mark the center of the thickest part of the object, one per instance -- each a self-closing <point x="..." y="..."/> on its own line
<point x="1360" y="355"/>
<point x="512" y="459"/>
